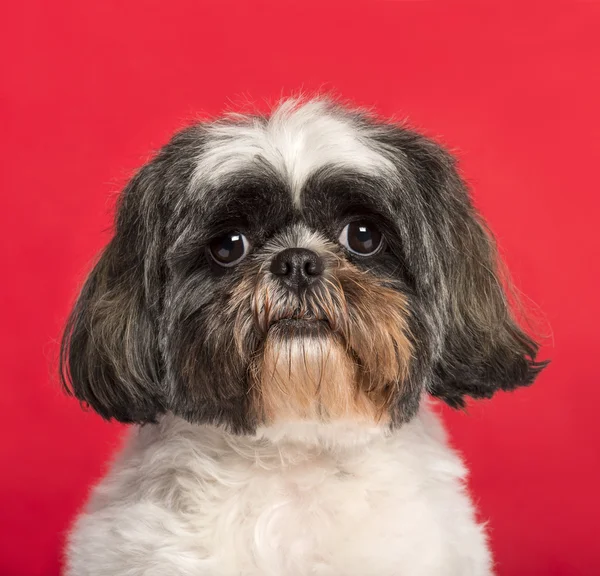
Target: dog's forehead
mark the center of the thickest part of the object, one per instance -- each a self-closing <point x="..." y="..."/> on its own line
<point x="295" y="141"/>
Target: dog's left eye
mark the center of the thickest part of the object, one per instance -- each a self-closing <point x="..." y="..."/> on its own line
<point x="229" y="249"/>
<point x="361" y="237"/>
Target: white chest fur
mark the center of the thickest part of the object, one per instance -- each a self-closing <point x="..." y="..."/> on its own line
<point x="334" y="500"/>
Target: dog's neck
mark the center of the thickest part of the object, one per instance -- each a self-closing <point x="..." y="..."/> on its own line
<point x="289" y="442"/>
<point x="335" y="435"/>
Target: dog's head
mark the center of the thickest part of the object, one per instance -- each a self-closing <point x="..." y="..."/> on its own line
<point x="316" y="264"/>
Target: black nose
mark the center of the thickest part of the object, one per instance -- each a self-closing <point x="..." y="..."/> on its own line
<point x="297" y="267"/>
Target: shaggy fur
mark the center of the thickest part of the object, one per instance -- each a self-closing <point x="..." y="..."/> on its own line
<point x="281" y="398"/>
<point x="195" y="500"/>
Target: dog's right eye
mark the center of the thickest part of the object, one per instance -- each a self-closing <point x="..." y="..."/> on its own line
<point x="229" y="249"/>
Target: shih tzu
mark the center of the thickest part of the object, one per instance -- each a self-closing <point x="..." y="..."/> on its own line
<point x="280" y="295"/>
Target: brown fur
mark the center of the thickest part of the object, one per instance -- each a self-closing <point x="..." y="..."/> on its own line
<point x="345" y="359"/>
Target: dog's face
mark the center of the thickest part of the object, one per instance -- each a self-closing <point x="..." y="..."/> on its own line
<point x="313" y="265"/>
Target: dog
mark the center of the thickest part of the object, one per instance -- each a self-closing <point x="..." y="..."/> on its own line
<point x="281" y="296"/>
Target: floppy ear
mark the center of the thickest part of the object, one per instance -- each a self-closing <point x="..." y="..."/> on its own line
<point x="484" y="349"/>
<point x="109" y="351"/>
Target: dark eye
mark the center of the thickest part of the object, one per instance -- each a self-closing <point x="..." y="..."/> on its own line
<point x="361" y="237"/>
<point x="229" y="249"/>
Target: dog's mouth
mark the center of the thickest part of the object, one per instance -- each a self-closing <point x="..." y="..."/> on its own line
<point x="292" y="322"/>
<point x="300" y="325"/>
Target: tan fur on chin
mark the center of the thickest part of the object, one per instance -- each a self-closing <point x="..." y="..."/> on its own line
<point x="311" y="378"/>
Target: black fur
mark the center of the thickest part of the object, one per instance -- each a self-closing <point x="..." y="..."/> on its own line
<point x="149" y="332"/>
<point x="482" y="348"/>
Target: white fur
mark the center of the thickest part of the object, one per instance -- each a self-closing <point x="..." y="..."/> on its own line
<point x="304" y="499"/>
<point x="296" y="140"/>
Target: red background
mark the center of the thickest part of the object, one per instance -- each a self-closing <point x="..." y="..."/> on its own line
<point x="89" y="89"/>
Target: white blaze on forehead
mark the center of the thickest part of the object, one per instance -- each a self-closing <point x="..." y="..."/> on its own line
<point x="296" y="140"/>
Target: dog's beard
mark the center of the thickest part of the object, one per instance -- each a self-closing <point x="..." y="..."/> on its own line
<point x="339" y="350"/>
<point x="306" y="373"/>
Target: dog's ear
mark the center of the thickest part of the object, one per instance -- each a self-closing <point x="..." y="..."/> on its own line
<point x="109" y="353"/>
<point x="483" y="348"/>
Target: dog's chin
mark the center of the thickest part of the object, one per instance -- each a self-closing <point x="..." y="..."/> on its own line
<point x="308" y="374"/>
